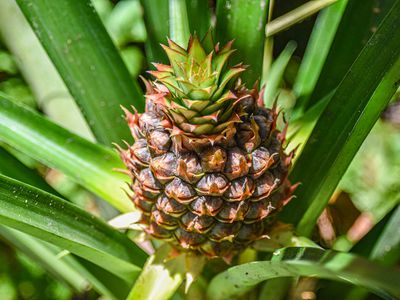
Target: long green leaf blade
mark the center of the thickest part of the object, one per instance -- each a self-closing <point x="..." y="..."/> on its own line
<point x="61" y="223"/>
<point x="89" y="164"/>
<point x="293" y="262"/>
<point x="244" y="21"/>
<point x="82" y="51"/>
<point x="348" y="118"/>
<point x="68" y="268"/>
<point x="48" y="88"/>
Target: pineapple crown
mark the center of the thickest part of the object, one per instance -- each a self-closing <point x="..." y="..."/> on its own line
<point x="196" y="90"/>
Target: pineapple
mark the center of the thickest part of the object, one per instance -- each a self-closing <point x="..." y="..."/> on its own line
<point x="208" y="167"/>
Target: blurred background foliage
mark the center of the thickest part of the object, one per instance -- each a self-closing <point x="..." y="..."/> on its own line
<point x="367" y="195"/>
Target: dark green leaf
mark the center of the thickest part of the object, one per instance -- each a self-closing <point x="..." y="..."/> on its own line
<point x="293" y="262"/>
<point x="66" y="268"/>
<point x="82" y="51"/>
<point x="199" y="15"/>
<point x="89" y="164"/>
<point x="244" y="21"/>
<point x="156" y="19"/>
<point x="61" y="223"/>
<point x="348" y="118"/>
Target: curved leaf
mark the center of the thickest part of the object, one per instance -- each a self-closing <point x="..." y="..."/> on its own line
<point x="89" y="164"/>
<point x="292" y="262"/>
<point x="84" y="55"/>
<point x="77" y="273"/>
<point x="61" y="223"/>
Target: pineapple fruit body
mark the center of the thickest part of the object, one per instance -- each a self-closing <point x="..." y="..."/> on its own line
<point x="208" y="167"/>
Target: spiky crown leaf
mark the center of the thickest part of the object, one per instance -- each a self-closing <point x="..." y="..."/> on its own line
<point x="196" y="90"/>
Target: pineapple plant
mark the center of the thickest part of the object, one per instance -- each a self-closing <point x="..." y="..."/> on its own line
<point x="208" y="166"/>
<point x="196" y="203"/>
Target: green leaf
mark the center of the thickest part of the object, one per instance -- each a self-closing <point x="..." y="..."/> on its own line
<point x="42" y="255"/>
<point x="89" y="164"/>
<point x="67" y="268"/>
<point x="199" y="14"/>
<point x="82" y="51"/>
<point x="348" y="118"/>
<point x="317" y="50"/>
<point x="293" y="262"/>
<point x="179" y="30"/>
<point x="244" y="21"/>
<point x="359" y="21"/>
<point x="63" y="224"/>
<point x="275" y="75"/>
<point x="156" y="19"/>
<point x="46" y="85"/>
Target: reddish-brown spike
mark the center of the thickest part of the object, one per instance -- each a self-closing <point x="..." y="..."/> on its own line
<point x="123" y="171"/>
<point x="289" y="158"/>
<point x="148" y="85"/>
<point x="216" y="47"/>
<point x="122" y="153"/>
<point x="281" y="136"/>
<point x="162" y="67"/>
<point x="171" y="43"/>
